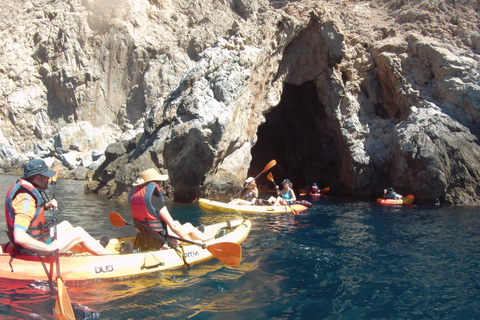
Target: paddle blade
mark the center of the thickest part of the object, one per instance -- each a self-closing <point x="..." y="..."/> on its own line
<point x="54" y="178"/>
<point x="63" y="306"/>
<point x="117" y="220"/>
<point x="228" y="252"/>
<point x="270" y="177"/>
<point x="410" y="197"/>
<point x="269" y="165"/>
<point x="326" y="189"/>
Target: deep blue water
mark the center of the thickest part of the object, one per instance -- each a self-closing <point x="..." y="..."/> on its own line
<point x="343" y="259"/>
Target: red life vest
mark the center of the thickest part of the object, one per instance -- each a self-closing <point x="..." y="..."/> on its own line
<point x="143" y="210"/>
<point x="39" y="228"/>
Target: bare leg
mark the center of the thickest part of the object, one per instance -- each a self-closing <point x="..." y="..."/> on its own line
<point x="193" y="232"/>
<point x="188" y="228"/>
<point x="278" y="201"/>
<point x="71" y="237"/>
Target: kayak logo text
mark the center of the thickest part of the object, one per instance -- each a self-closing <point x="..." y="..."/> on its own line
<point x="104" y="269"/>
<point x="192" y="254"/>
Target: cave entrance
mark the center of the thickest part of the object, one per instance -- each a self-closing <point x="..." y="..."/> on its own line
<point x="298" y="135"/>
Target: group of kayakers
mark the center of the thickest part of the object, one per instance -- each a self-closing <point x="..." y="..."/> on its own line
<point x="250" y="197"/>
<point x="30" y="233"/>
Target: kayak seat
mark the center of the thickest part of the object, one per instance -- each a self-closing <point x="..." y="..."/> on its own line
<point x="147" y="239"/>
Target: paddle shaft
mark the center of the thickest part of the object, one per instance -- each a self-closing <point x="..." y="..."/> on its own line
<point x="63" y="306"/>
<point x="267" y="167"/>
<point x="55" y="236"/>
<point x="270" y="177"/>
<point x="173" y="237"/>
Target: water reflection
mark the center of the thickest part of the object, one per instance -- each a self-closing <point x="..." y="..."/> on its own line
<point x="344" y="259"/>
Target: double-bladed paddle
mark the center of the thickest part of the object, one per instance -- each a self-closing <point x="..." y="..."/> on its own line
<point x="228" y="252"/>
<point x="63" y="306"/>
<point x="270" y="178"/>
<point x="267" y="167"/>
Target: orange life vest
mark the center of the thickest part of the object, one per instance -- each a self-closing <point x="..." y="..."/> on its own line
<point x="39" y="228"/>
<point x="143" y="210"/>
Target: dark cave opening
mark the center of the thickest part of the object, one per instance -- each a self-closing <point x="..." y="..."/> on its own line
<point x="299" y="135"/>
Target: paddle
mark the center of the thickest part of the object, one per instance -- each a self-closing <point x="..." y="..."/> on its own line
<point x="270" y="177"/>
<point x="267" y="167"/>
<point x="63" y="306"/>
<point x="228" y="252"/>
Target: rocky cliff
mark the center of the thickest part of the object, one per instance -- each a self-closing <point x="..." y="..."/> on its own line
<point x="355" y="95"/>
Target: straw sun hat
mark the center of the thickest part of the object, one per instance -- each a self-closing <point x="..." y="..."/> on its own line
<point x="149" y="175"/>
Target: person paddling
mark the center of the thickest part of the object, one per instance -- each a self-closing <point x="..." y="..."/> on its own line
<point x="315" y="189"/>
<point x="27" y="228"/>
<point x="284" y="197"/>
<point x="251" y="194"/>
<point x="391" y="194"/>
<point x="148" y="208"/>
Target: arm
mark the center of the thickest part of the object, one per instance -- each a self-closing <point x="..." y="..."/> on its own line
<point x="25" y="240"/>
<point x="176" y="227"/>
<point x="292" y="193"/>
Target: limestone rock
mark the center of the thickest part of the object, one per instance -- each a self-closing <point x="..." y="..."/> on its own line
<point x="355" y="95"/>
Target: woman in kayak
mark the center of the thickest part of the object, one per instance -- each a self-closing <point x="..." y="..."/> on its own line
<point x="148" y="207"/>
<point x="284" y="197"/>
<point x="251" y="194"/>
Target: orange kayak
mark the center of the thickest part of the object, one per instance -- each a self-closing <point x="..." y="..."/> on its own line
<point x="406" y="200"/>
<point x="85" y="266"/>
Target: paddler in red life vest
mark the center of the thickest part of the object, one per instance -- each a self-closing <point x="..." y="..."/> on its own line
<point x="28" y="230"/>
<point x="148" y="207"/>
<point x="314" y="188"/>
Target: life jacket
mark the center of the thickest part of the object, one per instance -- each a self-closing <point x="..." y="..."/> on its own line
<point x="314" y="189"/>
<point x="391" y="195"/>
<point x="143" y="210"/>
<point x="39" y="228"/>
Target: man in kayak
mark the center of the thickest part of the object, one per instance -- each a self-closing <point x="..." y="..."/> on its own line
<point x="148" y="207"/>
<point x="251" y="194"/>
<point x="391" y="194"/>
<point x="284" y="197"/>
<point x="28" y="230"/>
<point x="315" y="189"/>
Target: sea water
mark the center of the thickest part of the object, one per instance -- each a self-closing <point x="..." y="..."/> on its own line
<point x="343" y="259"/>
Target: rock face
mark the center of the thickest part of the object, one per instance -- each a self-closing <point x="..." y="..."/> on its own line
<point x="356" y="95"/>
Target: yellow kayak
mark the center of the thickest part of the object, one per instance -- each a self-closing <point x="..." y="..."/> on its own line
<point x="80" y="265"/>
<point x="216" y="206"/>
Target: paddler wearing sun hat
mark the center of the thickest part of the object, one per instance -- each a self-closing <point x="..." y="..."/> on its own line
<point x="148" y="207"/>
<point x="251" y="194"/>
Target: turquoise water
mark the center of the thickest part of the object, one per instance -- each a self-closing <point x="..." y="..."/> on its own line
<point x="343" y="259"/>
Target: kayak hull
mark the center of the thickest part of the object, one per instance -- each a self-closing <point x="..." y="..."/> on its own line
<point x="406" y="200"/>
<point x="85" y="266"/>
<point x="216" y="206"/>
